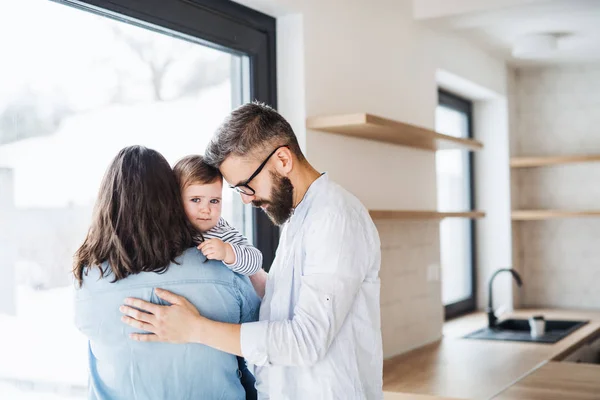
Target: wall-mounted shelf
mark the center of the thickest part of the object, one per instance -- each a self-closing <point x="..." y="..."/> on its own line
<point x="529" y="162"/>
<point x="420" y="215"/>
<point x="371" y="127"/>
<point x="538" y="215"/>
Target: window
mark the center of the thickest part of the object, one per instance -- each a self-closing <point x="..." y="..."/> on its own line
<point x="455" y="193"/>
<point x="81" y="80"/>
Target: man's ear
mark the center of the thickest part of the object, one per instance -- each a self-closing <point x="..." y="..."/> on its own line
<point x="285" y="161"/>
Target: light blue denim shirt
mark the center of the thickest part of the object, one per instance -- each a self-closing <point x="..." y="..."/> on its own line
<point x="121" y="368"/>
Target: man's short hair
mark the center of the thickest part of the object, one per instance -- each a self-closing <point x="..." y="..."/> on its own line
<point x="249" y="131"/>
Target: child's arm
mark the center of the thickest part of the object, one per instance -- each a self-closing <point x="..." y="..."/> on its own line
<point x="247" y="259"/>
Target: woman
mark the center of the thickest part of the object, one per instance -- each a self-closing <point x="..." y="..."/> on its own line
<point x="140" y="239"/>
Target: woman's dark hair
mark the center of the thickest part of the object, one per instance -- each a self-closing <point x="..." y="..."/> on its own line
<point x="138" y="224"/>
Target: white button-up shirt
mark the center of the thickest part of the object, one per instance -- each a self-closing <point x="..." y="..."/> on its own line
<point x="319" y="333"/>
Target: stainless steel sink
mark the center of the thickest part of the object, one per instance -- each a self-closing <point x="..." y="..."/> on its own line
<point x="518" y="330"/>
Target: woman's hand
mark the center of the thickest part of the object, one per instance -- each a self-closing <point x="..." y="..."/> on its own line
<point x="178" y="323"/>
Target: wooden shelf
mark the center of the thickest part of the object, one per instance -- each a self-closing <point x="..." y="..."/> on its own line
<point x="536" y="215"/>
<point x="529" y="162"/>
<point x="420" y="215"/>
<point x="371" y="127"/>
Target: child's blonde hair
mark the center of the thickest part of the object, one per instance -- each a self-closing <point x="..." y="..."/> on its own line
<point x="193" y="169"/>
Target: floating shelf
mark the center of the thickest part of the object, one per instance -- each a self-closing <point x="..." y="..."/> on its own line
<point x="529" y="162"/>
<point x="417" y="214"/>
<point x="536" y="215"/>
<point x="371" y="127"/>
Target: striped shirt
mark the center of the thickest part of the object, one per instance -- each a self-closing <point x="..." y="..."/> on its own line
<point x="248" y="259"/>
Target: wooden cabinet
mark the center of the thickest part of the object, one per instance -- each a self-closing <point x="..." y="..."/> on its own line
<point x="588" y="353"/>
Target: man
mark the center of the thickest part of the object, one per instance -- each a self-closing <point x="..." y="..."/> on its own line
<point x="319" y="333"/>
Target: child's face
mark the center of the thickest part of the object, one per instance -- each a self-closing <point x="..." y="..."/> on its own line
<point x="202" y="204"/>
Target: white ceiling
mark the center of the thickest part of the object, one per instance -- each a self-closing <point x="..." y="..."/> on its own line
<point x="497" y="27"/>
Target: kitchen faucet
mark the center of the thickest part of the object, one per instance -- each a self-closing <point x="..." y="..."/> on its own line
<point x="490" y="309"/>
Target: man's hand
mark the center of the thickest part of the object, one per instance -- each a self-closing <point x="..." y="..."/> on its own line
<point x="178" y="323"/>
<point x="216" y="249"/>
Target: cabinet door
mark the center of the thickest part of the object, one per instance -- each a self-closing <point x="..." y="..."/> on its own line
<point x="588" y="353"/>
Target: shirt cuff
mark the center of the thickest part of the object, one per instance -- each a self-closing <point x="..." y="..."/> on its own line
<point x="253" y="340"/>
<point x="237" y="256"/>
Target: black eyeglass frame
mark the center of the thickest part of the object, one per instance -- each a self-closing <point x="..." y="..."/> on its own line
<point x="240" y="187"/>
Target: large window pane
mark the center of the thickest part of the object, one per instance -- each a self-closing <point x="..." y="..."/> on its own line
<point x="454" y="194"/>
<point x="76" y="88"/>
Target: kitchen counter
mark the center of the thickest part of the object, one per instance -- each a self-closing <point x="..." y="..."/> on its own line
<point x="479" y="369"/>
<point x="557" y="381"/>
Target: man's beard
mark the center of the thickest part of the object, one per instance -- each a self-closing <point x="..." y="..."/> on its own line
<point x="281" y="205"/>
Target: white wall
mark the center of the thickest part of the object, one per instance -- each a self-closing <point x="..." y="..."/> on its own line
<point x="492" y="188"/>
<point x="7" y="251"/>
<point x="370" y="56"/>
<point x="513" y="139"/>
<point x="424" y="9"/>
<point x="290" y="69"/>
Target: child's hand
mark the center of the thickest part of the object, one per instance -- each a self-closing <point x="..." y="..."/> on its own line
<point x="216" y="249"/>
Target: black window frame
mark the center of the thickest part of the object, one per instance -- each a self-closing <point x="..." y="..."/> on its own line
<point x="220" y="24"/>
<point x="462" y="307"/>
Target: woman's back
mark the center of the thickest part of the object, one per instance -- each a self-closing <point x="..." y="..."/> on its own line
<point x="121" y="368"/>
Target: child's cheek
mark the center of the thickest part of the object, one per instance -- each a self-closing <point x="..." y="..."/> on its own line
<point x="216" y="209"/>
<point x="189" y="210"/>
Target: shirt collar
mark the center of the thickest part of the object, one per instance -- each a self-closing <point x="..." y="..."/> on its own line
<point x="310" y="194"/>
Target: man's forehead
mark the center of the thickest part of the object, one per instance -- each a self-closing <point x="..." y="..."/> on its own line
<point x="236" y="168"/>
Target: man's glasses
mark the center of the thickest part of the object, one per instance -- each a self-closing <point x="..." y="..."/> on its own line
<point x="244" y="187"/>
